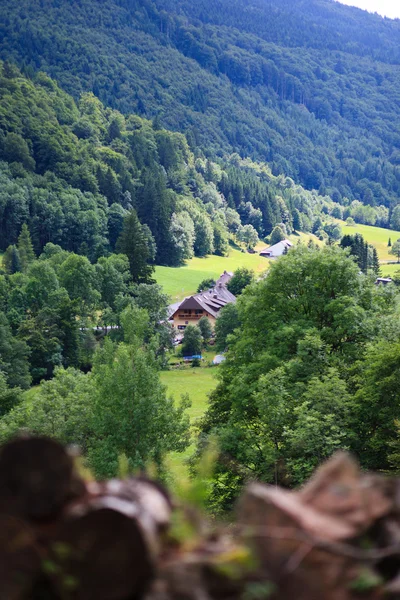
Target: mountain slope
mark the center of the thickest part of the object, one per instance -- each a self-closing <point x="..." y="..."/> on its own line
<point x="72" y="171"/>
<point x="311" y="87"/>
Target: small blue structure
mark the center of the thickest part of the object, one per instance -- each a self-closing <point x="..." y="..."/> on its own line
<point x="190" y="358"/>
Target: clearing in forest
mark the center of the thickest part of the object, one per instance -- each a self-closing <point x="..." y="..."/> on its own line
<point x="198" y="382"/>
<point x="179" y="282"/>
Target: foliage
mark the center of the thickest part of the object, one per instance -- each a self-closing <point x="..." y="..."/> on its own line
<point x="191" y="343"/>
<point x="228" y="75"/>
<point x="13" y="356"/>
<point x="183" y="235"/>
<point x="333" y="231"/>
<point x="12" y="260"/>
<point x="61" y="408"/>
<point x="364" y="253"/>
<point x="292" y="387"/>
<point x="9" y="397"/>
<point x="132" y="413"/>
<point x="377" y="406"/>
<point x="133" y="242"/>
<point x="242" y="277"/>
<point x="206" y="329"/>
<point x="225" y="325"/>
<point x="83" y="182"/>
<point x="277" y="235"/>
<point x="54" y="313"/>
<point x="206" y="284"/>
<point x="121" y="407"/>
<point x="248" y="235"/>
<point x="25" y="248"/>
<point x="395" y="249"/>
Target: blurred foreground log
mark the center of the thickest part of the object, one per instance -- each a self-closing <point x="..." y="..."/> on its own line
<point x="62" y="538"/>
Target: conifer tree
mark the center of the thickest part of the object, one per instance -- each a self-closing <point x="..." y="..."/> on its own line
<point x="375" y="262"/>
<point x="11" y="260"/>
<point x="155" y="208"/>
<point x="25" y="248"/>
<point x="133" y="242"/>
<point x="297" y="226"/>
<point x="364" y="256"/>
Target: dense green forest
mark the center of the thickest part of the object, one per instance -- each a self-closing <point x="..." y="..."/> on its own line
<point x="310" y="87"/>
<point x="88" y="332"/>
<point x="73" y="171"/>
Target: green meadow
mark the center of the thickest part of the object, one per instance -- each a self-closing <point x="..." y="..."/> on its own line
<point x="377" y="236"/>
<point x="389" y="269"/>
<point x="198" y="383"/>
<point x="179" y="282"/>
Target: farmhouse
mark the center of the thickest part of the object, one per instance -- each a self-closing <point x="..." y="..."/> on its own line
<point x="277" y="249"/>
<point x="383" y="280"/>
<point x="204" y="304"/>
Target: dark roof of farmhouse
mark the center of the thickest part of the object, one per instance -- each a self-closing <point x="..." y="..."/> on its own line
<point x="210" y="301"/>
<point x="225" y="278"/>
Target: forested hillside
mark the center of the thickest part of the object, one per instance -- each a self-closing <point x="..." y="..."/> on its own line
<point x="73" y="171"/>
<point x="310" y="87"/>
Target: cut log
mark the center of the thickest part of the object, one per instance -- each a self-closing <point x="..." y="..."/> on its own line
<point x="37" y="478"/>
<point x="19" y="559"/>
<point x="100" y="556"/>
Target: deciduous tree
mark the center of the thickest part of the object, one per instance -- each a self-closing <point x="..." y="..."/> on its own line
<point x="206" y="329"/>
<point x="277" y="235"/>
<point x="395" y="249"/>
<point x="132" y="413"/>
<point x="225" y="325"/>
<point x="242" y="277"/>
<point x="191" y="344"/>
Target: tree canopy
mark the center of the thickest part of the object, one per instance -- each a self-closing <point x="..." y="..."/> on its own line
<point x="292" y="388"/>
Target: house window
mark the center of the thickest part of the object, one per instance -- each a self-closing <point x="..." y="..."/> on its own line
<point x="181" y="327"/>
<point x="186" y="322"/>
<point x="198" y="312"/>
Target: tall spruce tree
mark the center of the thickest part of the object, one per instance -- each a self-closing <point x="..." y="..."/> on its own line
<point x="12" y="260"/>
<point x="359" y="248"/>
<point x="155" y="207"/>
<point x="133" y="242"/>
<point x="25" y="248"/>
<point x="375" y="262"/>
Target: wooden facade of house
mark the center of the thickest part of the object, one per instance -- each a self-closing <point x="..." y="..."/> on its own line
<point x="204" y="304"/>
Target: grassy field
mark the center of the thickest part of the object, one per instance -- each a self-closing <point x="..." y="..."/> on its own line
<point x="377" y="236"/>
<point x="388" y="270"/>
<point x="183" y="281"/>
<point x="179" y="282"/>
<point x="198" y="383"/>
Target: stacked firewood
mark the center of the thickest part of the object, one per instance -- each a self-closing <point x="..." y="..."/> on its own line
<point x="63" y="538"/>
